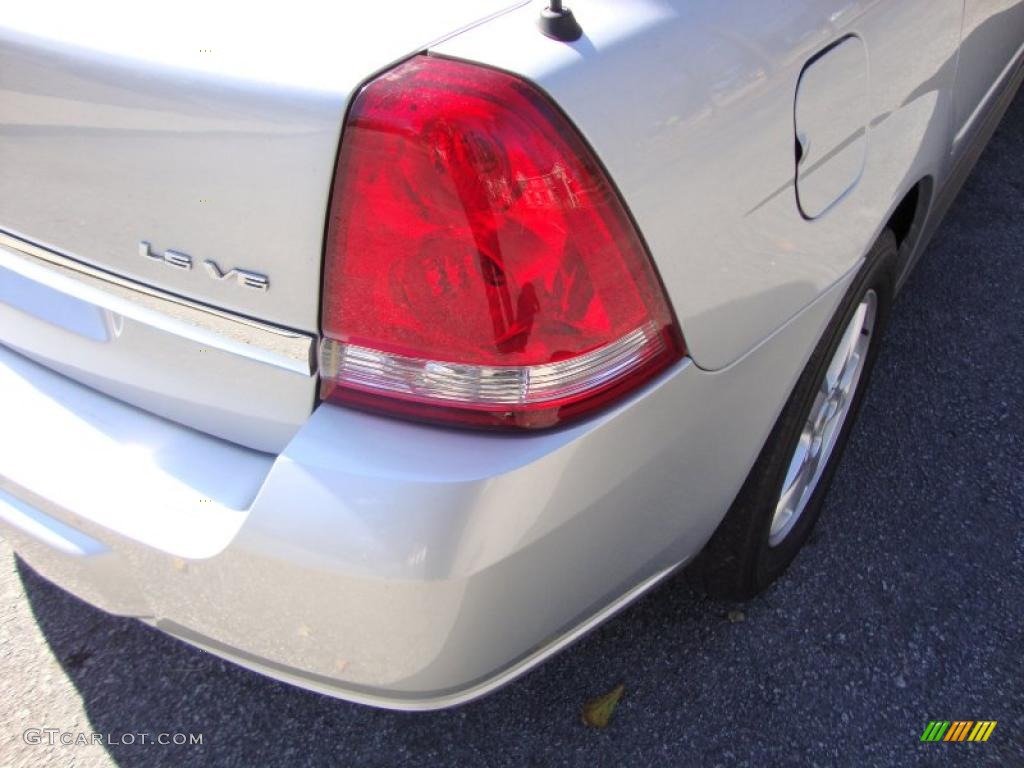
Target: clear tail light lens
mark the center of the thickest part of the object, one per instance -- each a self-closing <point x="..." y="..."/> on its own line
<point x="480" y="267"/>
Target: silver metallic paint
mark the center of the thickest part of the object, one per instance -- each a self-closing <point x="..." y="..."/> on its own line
<point x="690" y="106"/>
<point x="383" y="561"/>
<point x="831" y="122"/>
<point x="125" y="121"/>
<point x="993" y="38"/>
<point x="395" y="563"/>
<point x="172" y="356"/>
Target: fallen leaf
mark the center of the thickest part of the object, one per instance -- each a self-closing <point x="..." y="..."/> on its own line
<point x="597" y="713"/>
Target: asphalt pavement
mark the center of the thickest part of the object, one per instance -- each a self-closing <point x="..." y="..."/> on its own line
<point x="907" y="606"/>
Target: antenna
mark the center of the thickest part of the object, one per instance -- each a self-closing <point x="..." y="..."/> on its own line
<point x="558" y="23"/>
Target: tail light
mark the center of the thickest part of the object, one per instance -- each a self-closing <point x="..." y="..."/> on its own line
<point x="480" y="266"/>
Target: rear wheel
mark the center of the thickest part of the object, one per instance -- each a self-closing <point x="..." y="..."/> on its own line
<point x="782" y="497"/>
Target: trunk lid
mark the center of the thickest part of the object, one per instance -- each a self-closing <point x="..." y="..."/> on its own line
<point x="212" y="136"/>
<point x="131" y="130"/>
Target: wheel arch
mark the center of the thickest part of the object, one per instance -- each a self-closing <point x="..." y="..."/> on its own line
<point x="907" y="221"/>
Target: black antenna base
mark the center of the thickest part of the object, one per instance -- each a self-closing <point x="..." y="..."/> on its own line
<point x="558" y="23"/>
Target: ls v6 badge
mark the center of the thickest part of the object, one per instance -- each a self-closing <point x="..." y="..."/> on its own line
<point x="180" y="260"/>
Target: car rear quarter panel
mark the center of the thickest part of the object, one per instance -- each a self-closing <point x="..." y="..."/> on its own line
<point x="691" y="108"/>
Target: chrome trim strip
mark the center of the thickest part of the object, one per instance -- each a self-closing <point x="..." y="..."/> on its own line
<point x="243" y="336"/>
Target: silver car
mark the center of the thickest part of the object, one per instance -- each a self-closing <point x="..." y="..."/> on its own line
<point x="387" y="349"/>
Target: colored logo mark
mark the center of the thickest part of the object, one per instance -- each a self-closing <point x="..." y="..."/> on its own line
<point x="958" y="730"/>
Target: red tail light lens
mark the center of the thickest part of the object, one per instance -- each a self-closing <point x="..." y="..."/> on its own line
<point x="480" y="266"/>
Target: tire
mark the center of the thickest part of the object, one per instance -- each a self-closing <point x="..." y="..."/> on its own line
<point x="754" y="545"/>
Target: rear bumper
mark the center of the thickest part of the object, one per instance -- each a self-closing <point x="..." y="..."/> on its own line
<point x="379" y="561"/>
